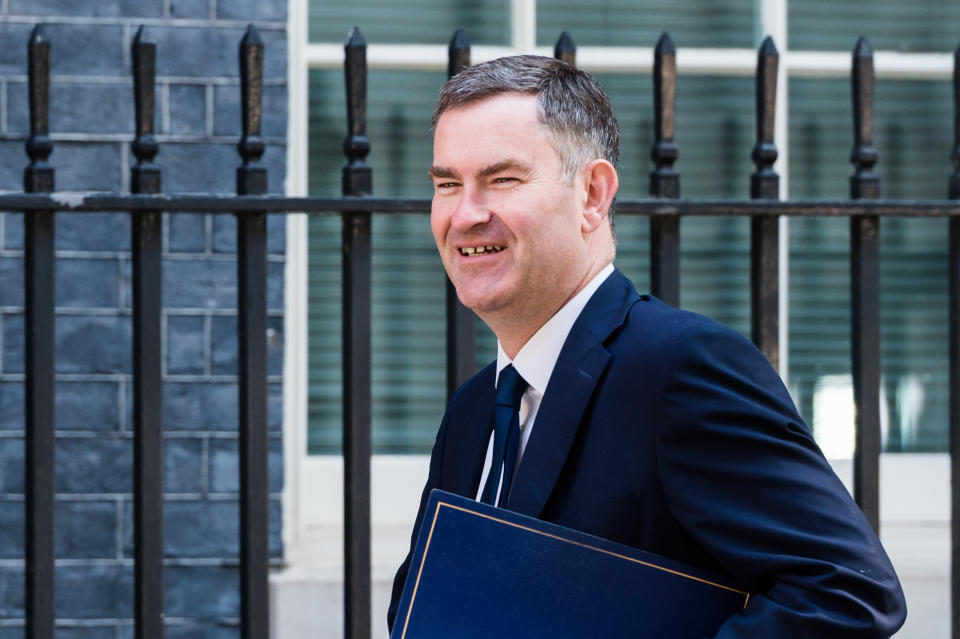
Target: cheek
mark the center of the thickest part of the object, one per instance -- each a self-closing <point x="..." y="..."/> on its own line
<point x="439" y="222"/>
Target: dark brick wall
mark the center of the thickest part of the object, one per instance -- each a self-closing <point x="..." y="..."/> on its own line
<point x="198" y="122"/>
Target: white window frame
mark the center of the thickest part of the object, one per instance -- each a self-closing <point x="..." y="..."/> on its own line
<point x="312" y="497"/>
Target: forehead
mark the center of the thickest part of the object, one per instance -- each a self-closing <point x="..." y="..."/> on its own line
<point x="506" y="124"/>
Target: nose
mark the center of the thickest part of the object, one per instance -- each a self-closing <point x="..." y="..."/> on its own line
<point x="471" y="210"/>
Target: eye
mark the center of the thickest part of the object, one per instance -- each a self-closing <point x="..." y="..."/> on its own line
<point x="446" y="185"/>
<point x="504" y="180"/>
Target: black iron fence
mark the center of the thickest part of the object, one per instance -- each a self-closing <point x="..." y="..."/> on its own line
<point x="664" y="208"/>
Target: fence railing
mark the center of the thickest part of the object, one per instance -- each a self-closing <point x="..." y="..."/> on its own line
<point x="664" y="208"/>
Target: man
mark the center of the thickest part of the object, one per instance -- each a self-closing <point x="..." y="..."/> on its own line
<point x="640" y="423"/>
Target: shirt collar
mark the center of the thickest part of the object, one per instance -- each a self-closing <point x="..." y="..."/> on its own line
<point x="536" y="359"/>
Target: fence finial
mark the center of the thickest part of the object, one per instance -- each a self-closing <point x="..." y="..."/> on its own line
<point x="955" y="155"/>
<point x="145" y="177"/>
<point x="565" y="49"/>
<point x="38" y="176"/>
<point x="863" y="183"/>
<point x="664" y="181"/>
<point x="357" y="175"/>
<point x="458" y="54"/>
<point x="251" y="178"/>
<point x="765" y="183"/>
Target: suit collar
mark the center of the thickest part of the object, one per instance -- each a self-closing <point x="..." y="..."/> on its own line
<point x="582" y="361"/>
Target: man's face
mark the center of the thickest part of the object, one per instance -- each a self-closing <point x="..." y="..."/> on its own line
<point x="507" y="226"/>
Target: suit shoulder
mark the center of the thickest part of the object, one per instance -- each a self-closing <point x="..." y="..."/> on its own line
<point x="657" y="325"/>
<point x="482" y="383"/>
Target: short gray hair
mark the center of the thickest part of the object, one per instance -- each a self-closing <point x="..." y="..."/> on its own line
<point x="575" y="110"/>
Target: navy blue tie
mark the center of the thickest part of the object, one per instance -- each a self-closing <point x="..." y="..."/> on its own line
<point x="506" y="434"/>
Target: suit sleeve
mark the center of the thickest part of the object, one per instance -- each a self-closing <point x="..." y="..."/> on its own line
<point x="743" y="475"/>
<point x="433" y="481"/>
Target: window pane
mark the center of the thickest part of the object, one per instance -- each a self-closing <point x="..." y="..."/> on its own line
<point x="412" y="21"/>
<point x="913" y="120"/>
<point x="639" y="23"/>
<point x="832" y="25"/>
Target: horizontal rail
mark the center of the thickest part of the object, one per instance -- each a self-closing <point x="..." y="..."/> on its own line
<point x="98" y="202"/>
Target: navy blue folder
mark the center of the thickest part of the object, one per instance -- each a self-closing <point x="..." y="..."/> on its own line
<point x="480" y="571"/>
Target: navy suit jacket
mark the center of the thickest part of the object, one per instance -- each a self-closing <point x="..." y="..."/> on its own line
<point x="663" y="430"/>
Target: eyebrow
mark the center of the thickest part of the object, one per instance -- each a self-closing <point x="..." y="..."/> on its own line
<point x="487" y="171"/>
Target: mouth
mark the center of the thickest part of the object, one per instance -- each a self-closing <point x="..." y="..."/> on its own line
<point x="472" y="251"/>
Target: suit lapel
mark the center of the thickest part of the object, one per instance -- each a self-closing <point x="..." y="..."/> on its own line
<point x="582" y="361"/>
<point x="471" y="428"/>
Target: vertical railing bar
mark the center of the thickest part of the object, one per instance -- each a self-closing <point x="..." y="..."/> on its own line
<point x="954" y="380"/>
<point x="147" y="259"/>
<point x="664" y="180"/>
<point x="357" y="444"/>
<point x="565" y="49"/>
<point x="865" y="293"/>
<point x="765" y="229"/>
<point x="39" y="460"/>
<point x="252" y="350"/>
<point x="461" y="340"/>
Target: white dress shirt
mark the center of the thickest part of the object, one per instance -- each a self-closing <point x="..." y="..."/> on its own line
<point x="535" y="363"/>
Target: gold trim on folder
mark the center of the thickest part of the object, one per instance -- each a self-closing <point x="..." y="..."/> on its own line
<point x="433" y="524"/>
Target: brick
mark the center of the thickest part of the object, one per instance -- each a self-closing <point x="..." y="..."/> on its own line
<point x="86" y="530"/>
<point x="185" y="345"/>
<point x="188" y="109"/>
<point x="94" y="592"/>
<point x="11" y="592"/>
<point x="201" y="591"/>
<point x="188" y="232"/>
<point x="275" y="159"/>
<point x="251" y="10"/>
<point x="94" y="466"/>
<point x="275" y="286"/>
<point x="100" y="9"/>
<point x="201" y="630"/>
<point x="12" y="406"/>
<point x="11" y="523"/>
<point x="86" y="49"/>
<point x="84" y="344"/>
<point x="11" y="274"/>
<point x="12" y="224"/>
<point x="11" y="169"/>
<point x="93" y="231"/>
<point x="224" y="234"/>
<point x="274" y="407"/>
<point x="75" y="108"/>
<point x="197" y="52"/>
<point x="227" y="115"/>
<point x="87" y="283"/>
<point x="12" y="632"/>
<point x="200" y="406"/>
<point x="94" y="344"/>
<point x="196" y="529"/>
<point x="199" y="284"/>
<point x="87" y="166"/>
<point x="205" y="52"/>
<point x="225" y="466"/>
<point x="223" y="345"/>
<point x="276" y="234"/>
<point x="86" y="632"/>
<point x="12" y="342"/>
<point x="199" y="167"/>
<point x="91" y="406"/>
<point x="11" y="466"/>
<point x="13" y="56"/>
<point x="190" y="9"/>
<point x="183" y="470"/>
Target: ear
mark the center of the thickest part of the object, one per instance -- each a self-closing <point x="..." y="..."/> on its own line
<point x="600" y="184"/>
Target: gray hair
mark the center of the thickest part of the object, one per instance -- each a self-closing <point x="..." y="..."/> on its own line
<point x="571" y="105"/>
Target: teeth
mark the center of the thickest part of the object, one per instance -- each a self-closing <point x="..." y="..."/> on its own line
<point x="480" y="250"/>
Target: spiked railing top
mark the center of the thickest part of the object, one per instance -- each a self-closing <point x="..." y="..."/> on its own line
<point x="251" y="145"/>
<point x="765" y="151"/>
<point x="38" y="54"/>
<point x="144" y="53"/>
<point x="357" y="177"/>
<point x="458" y="54"/>
<point x="664" y="151"/>
<point x="565" y="49"/>
<point x="864" y="183"/>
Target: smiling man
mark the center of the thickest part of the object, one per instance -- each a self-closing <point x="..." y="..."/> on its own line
<point x="611" y="412"/>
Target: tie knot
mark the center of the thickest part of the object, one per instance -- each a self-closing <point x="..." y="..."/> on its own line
<point x="510" y="388"/>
